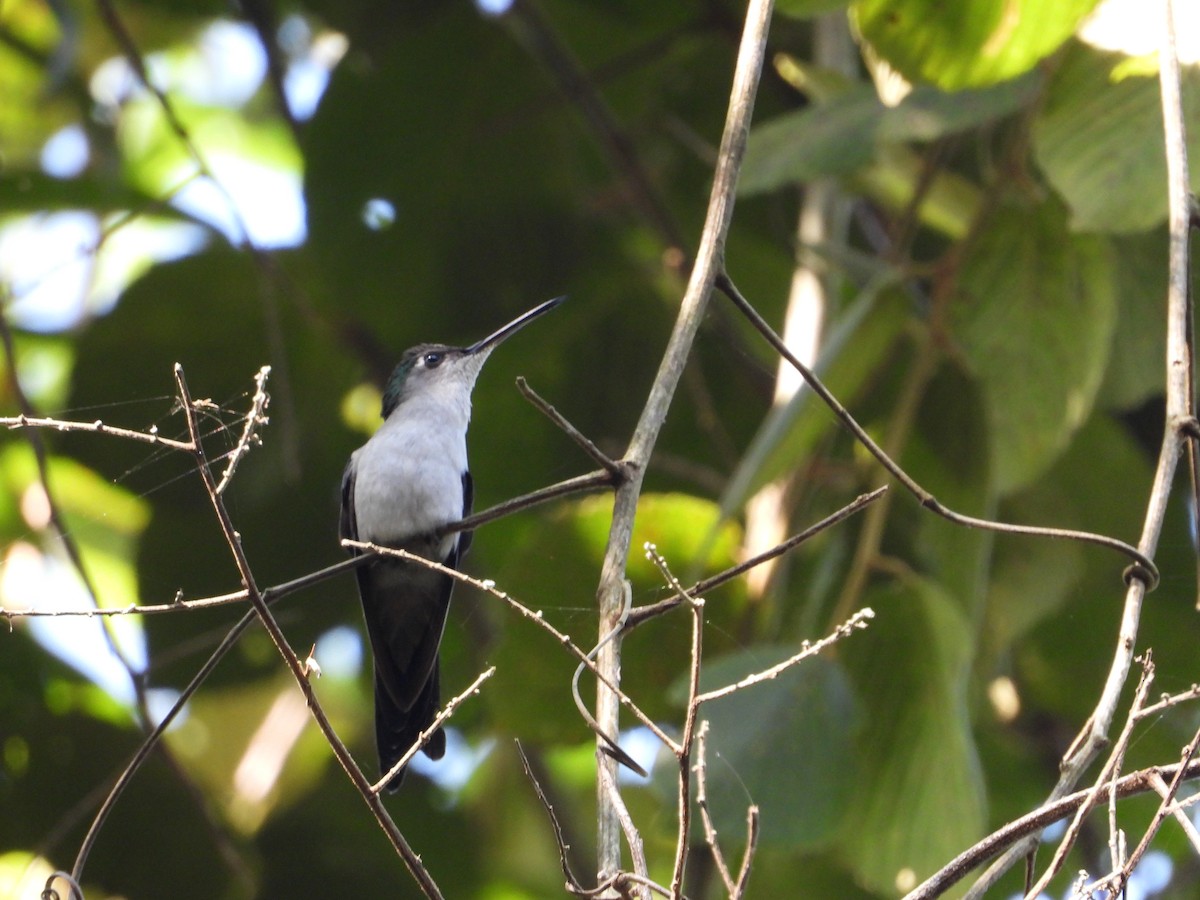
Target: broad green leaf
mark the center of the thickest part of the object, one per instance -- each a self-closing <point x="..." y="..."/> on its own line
<point x="786" y="744"/>
<point x="968" y="43"/>
<point x="1031" y="578"/>
<point x="1035" y="321"/>
<point x="948" y="457"/>
<point x="842" y="134"/>
<point x="1137" y="369"/>
<point x="1099" y="139"/>
<point x="920" y="794"/>
<point x="833" y="138"/>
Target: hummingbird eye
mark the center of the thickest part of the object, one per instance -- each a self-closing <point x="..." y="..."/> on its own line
<point x="433" y="360"/>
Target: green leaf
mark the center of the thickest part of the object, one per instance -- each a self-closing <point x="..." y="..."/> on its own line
<point x="1099" y="139"/>
<point x="1035" y="321"/>
<point x="920" y="796"/>
<point x="834" y="138"/>
<point x="1136" y="370"/>
<point x="842" y="134"/>
<point x="944" y="456"/>
<point x="786" y="744"/>
<point x="541" y="566"/>
<point x="968" y="43"/>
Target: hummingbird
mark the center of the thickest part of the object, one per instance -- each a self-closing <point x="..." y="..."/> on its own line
<point x="407" y="481"/>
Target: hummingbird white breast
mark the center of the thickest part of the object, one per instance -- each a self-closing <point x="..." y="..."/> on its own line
<point x="408" y="476"/>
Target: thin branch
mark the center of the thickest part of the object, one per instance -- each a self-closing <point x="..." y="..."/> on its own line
<point x="1033" y="823"/>
<point x="411" y="860"/>
<point x="1165" y="808"/>
<point x="752" y="827"/>
<point x="97" y="427"/>
<point x="1106" y="778"/>
<point x="559" y="838"/>
<point x="641" y="614"/>
<point x="637" y="852"/>
<point x="439" y="720"/>
<point x="255" y="419"/>
<point x="579" y="484"/>
<point x="684" y="752"/>
<point x="1169" y="700"/>
<point x="598" y="456"/>
<point x="708" y="263"/>
<point x="710" y="830"/>
<point x="1142" y="569"/>
<point x="534" y="616"/>
<point x="1175" y="809"/>
<point x="152" y="739"/>
<point x="857" y="622"/>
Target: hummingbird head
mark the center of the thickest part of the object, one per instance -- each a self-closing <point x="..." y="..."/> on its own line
<point x="438" y="370"/>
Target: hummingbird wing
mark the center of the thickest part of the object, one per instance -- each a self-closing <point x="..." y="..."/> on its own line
<point x="405" y="606"/>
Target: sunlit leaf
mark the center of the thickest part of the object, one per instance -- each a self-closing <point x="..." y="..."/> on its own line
<point x="1099" y="139"/>
<point x="969" y="43"/>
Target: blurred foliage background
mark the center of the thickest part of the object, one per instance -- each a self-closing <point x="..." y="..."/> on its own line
<point x="315" y="186"/>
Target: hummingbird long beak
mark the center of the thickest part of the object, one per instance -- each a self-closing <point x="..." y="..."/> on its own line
<point x="490" y="342"/>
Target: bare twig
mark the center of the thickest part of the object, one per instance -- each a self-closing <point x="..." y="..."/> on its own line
<point x="856" y="622"/>
<point x="684" y="752"/>
<point x="559" y="839"/>
<point x="439" y="720"/>
<point x="1120" y="879"/>
<point x="411" y="860"/>
<point x="1142" y="568"/>
<point x="1169" y="700"/>
<point x="534" y="616"/>
<point x="708" y="263"/>
<point x="637" y="852"/>
<point x="153" y="738"/>
<point x="710" y="830"/>
<point x="1106" y="779"/>
<point x="1032" y="823"/>
<point x="579" y="484"/>
<point x="1175" y="809"/>
<point x="585" y="443"/>
<point x="641" y="614"/>
<point x="743" y="879"/>
<point x="255" y="419"/>
<point x="96" y="427"/>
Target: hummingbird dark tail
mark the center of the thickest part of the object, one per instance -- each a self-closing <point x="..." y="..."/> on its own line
<point x="397" y="730"/>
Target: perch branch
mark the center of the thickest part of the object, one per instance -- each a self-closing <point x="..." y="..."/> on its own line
<point x="411" y="860"/>
<point x="438" y="721"/>
<point x="695" y="300"/>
